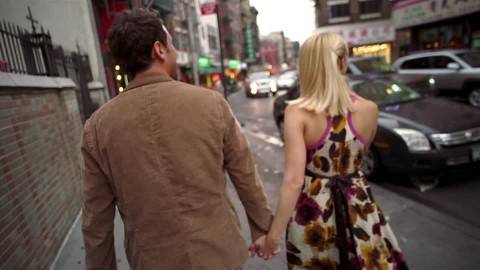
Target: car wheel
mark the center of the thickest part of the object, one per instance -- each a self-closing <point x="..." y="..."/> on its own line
<point x="424" y="183"/>
<point x="474" y="97"/>
<point x="371" y="165"/>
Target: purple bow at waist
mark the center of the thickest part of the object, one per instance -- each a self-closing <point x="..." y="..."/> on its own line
<point x="339" y="185"/>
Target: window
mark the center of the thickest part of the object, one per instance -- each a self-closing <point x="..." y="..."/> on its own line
<point x="212" y="42"/>
<point x="212" y="37"/>
<point x="419" y="63"/>
<point x="339" y="11"/>
<point x="373" y="65"/>
<point x="370" y="6"/>
<point x="441" y="61"/>
<point x="385" y="92"/>
<point x="472" y="58"/>
<point x="202" y="32"/>
<point x="181" y="12"/>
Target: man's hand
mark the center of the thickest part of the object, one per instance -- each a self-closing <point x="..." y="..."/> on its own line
<point x="265" y="247"/>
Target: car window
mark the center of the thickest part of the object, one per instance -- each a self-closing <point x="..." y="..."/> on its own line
<point x="288" y="75"/>
<point x="384" y="92"/>
<point x="440" y="61"/>
<point x="373" y="65"/>
<point x="472" y="58"/>
<point x="418" y="63"/>
<point x="259" y="75"/>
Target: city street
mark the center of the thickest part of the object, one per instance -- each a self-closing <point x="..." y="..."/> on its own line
<point x="418" y="60"/>
<point x="438" y="229"/>
<point x="456" y="195"/>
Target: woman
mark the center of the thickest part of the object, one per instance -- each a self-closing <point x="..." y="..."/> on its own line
<point x="333" y="221"/>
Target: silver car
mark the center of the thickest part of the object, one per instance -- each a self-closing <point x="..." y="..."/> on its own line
<point x="368" y="65"/>
<point x="453" y="72"/>
<point x="287" y="80"/>
<point x="260" y="84"/>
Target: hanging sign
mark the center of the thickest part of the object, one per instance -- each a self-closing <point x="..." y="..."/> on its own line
<point x="208" y="8"/>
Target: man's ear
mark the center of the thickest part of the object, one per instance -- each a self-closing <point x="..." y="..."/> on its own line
<point x="159" y="51"/>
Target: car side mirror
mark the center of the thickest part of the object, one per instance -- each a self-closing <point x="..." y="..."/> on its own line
<point x="453" y="66"/>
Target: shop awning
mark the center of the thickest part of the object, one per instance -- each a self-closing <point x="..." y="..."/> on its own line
<point x="363" y="33"/>
<point x="417" y="12"/>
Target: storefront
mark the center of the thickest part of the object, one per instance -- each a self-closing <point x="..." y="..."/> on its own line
<point x="374" y="38"/>
<point x="184" y="72"/>
<point x="105" y="12"/>
<point x="436" y="24"/>
<point x="209" y="72"/>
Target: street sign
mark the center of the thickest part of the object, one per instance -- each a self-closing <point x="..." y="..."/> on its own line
<point x="208" y="8"/>
<point x="203" y="62"/>
<point x="234" y="64"/>
<point x="250" y="49"/>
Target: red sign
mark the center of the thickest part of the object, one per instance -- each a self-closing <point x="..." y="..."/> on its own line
<point x="208" y="8"/>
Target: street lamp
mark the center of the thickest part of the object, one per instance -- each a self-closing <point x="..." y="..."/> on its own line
<point x="222" y="65"/>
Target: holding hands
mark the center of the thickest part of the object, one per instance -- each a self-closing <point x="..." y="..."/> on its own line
<point x="265" y="247"/>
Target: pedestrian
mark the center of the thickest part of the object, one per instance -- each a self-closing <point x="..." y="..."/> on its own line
<point x="159" y="152"/>
<point x="325" y="203"/>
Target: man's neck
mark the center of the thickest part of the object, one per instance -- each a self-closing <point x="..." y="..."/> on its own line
<point x="150" y="72"/>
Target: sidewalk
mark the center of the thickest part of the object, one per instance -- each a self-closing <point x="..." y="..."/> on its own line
<point x="429" y="239"/>
<point x="72" y="256"/>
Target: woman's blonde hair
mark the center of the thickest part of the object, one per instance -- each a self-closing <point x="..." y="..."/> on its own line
<point x="323" y="87"/>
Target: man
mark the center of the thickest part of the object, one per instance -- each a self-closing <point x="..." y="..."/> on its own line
<point x="158" y="152"/>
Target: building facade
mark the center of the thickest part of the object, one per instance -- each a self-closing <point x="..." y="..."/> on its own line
<point x="231" y="26"/>
<point x="436" y="24"/>
<point x="186" y="39"/>
<point x="181" y="18"/>
<point x="73" y="26"/>
<point x="49" y="59"/>
<point x="209" y="57"/>
<point x="365" y="25"/>
<point x="278" y="52"/>
<point x="251" y="40"/>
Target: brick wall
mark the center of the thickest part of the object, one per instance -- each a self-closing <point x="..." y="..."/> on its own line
<point x="40" y="174"/>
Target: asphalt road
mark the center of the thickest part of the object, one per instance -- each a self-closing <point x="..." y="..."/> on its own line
<point x="429" y="225"/>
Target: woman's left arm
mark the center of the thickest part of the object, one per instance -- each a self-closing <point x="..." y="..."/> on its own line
<point x="295" y="158"/>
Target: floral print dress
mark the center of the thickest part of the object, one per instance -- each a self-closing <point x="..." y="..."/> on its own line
<point x="336" y="223"/>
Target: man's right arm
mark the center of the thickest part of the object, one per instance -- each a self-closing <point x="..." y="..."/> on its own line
<point x="239" y="163"/>
<point x="98" y="209"/>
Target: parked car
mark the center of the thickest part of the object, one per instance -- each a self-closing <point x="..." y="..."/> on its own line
<point x="260" y="84"/>
<point x="419" y="83"/>
<point x="454" y="72"/>
<point x="287" y="80"/>
<point x="368" y="65"/>
<point x="417" y="134"/>
<point x="375" y="66"/>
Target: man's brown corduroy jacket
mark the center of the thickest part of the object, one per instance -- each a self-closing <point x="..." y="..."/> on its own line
<point x="159" y="152"/>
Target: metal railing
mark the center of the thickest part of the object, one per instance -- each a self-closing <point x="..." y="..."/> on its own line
<point x="33" y="53"/>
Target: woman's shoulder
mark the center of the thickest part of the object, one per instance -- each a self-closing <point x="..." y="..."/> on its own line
<point x="364" y="105"/>
<point x="299" y="111"/>
<point x="293" y="108"/>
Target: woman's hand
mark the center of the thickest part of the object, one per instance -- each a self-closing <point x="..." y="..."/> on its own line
<point x="266" y="247"/>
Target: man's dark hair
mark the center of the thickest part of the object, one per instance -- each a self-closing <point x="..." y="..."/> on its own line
<point x="131" y="38"/>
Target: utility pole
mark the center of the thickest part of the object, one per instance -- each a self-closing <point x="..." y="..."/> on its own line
<point x="191" y="37"/>
<point x="222" y="65"/>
